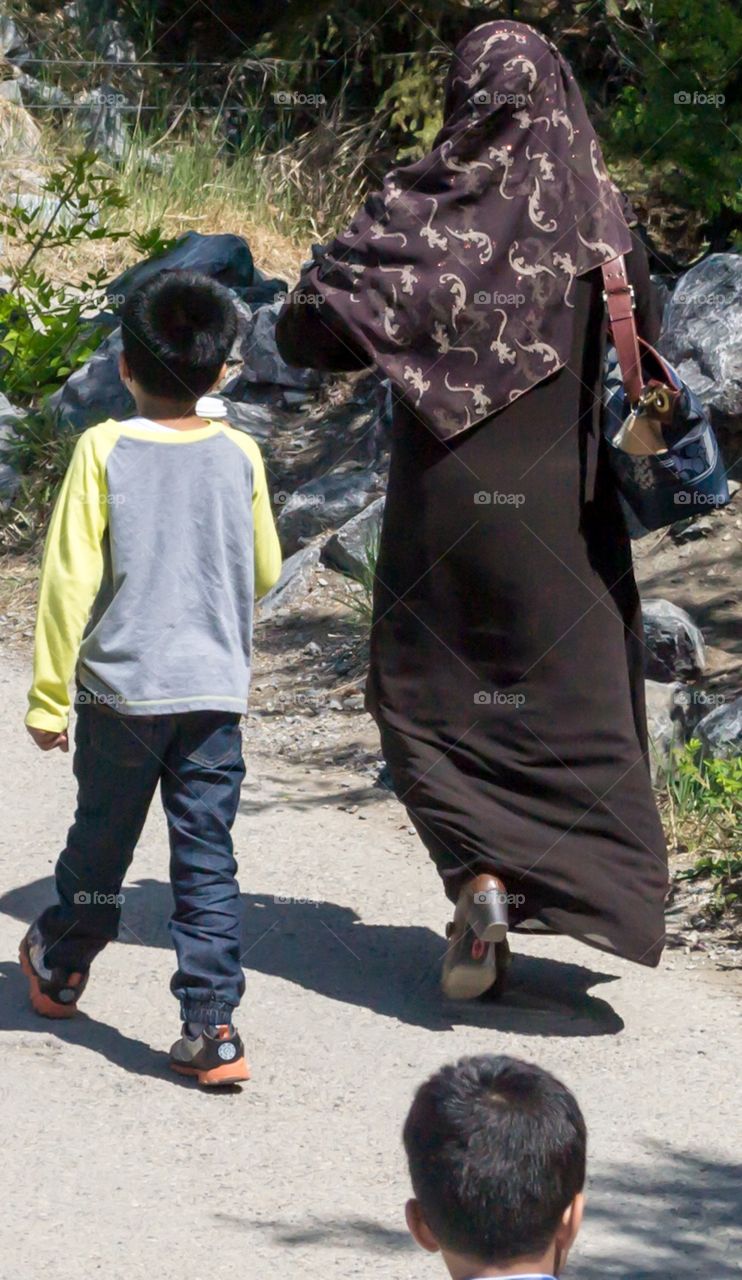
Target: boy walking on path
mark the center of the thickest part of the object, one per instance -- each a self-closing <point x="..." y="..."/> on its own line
<point x="496" y="1149"/>
<point x="161" y="539"/>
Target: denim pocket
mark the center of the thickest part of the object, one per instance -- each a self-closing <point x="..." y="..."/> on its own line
<point x="214" y="741"/>
<point x="129" y="741"/>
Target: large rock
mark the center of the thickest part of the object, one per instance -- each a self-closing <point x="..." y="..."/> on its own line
<point x="666" y="722"/>
<point x="10" y="480"/>
<point x="261" y="361"/>
<point x="100" y="114"/>
<point x="674" y="644"/>
<point x="349" y="549"/>
<point x="720" y="732"/>
<point x="325" y="503"/>
<point x="113" y="43"/>
<point x="226" y="258"/>
<point x="20" y="136"/>
<point x="256" y="420"/>
<point x="95" y="391"/>
<point x="702" y="334"/>
<point x="12" y="46"/>
<point x="40" y="94"/>
<point x="292" y="587"/>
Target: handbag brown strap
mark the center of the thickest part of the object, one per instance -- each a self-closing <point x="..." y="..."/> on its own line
<point x="619" y="298"/>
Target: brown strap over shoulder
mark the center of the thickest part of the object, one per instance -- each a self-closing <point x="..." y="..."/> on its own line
<point x="619" y="297"/>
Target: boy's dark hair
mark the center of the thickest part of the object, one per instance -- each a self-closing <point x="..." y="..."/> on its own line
<point x="496" y="1149"/>
<point x="177" y="330"/>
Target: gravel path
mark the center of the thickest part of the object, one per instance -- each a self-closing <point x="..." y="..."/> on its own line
<point x="116" y="1167"/>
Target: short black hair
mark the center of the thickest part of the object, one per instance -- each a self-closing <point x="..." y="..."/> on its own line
<point x="497" y="1151"/>
<point x="177" y="330"/>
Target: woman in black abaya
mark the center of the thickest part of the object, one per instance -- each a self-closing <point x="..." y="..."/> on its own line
<point x="506" y="656"/>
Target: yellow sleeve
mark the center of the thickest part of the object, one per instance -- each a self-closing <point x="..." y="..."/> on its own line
<point x="267" y="548"/>
<point x="71" y="572"/>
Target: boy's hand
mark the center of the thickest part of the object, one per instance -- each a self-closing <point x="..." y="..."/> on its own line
<point x="48" y="741"/>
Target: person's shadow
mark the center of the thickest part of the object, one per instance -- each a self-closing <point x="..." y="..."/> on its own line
<point x="392" y="970"/>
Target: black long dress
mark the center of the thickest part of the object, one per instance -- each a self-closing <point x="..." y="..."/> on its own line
<point x="506" y="671"/>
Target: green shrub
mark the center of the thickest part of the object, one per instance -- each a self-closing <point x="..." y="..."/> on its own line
<point x="703" y="805"/>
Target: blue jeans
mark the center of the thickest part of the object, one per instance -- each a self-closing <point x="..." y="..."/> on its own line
<point x="197" y="759"/>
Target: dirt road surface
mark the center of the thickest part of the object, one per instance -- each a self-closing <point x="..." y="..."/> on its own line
<point x="115" y="1167"/>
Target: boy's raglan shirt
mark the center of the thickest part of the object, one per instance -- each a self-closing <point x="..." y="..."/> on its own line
<point x="158" y="545"/>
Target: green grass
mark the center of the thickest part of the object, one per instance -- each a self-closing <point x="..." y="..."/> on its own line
<point x="702" y="807"/>
<point x="358" y="596"/>
<point x="305" y="188"/>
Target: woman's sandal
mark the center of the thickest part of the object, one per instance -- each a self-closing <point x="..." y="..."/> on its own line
<point x="478" y="955"/>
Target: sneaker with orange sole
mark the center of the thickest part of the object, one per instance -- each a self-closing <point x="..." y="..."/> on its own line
<point x="216" y="1056"/>
<point x="54" y="993"/>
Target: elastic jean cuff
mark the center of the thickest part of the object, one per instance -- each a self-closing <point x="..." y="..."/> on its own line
<point x="206" y="1012"/>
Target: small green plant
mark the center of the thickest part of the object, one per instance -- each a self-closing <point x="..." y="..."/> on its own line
<point x="359" y="598"/>
<point x="703" y="805"/>
<point x="44" y="332"/>
<point x="41" y="453"/>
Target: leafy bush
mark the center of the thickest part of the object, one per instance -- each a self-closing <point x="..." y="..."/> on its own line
<point x="679" y="112"/>
<point x="703" y="806"/>
<point x="44" y="333"/>
<point x="359" y="597"/>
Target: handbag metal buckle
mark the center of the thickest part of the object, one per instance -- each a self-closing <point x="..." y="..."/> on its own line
<point x="628" y="289"/>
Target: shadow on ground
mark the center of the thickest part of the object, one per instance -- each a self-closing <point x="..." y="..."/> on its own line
<point x="390" y="969"/>
<point x="675" y="1219"/>
<point x="668" y="1221"/>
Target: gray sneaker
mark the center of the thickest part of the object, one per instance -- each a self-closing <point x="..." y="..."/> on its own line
<point x="216" y="1056"/>
<point x="53" y="992"/>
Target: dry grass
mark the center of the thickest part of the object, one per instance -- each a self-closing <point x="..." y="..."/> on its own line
<point x="19" y="577"/>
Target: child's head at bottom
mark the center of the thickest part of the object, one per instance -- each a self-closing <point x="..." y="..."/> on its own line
<point x="177" y="330"/>
<point x="496" y="1150"/>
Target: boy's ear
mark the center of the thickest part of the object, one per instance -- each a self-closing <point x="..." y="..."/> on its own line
<point x="419" y="1229"/>
<point x="124" y="370"/>
<point x="569" y="1226"/>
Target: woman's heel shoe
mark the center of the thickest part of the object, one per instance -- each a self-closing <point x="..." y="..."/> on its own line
<point x="479" y="928"/>
<point x="488" y="912"/>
